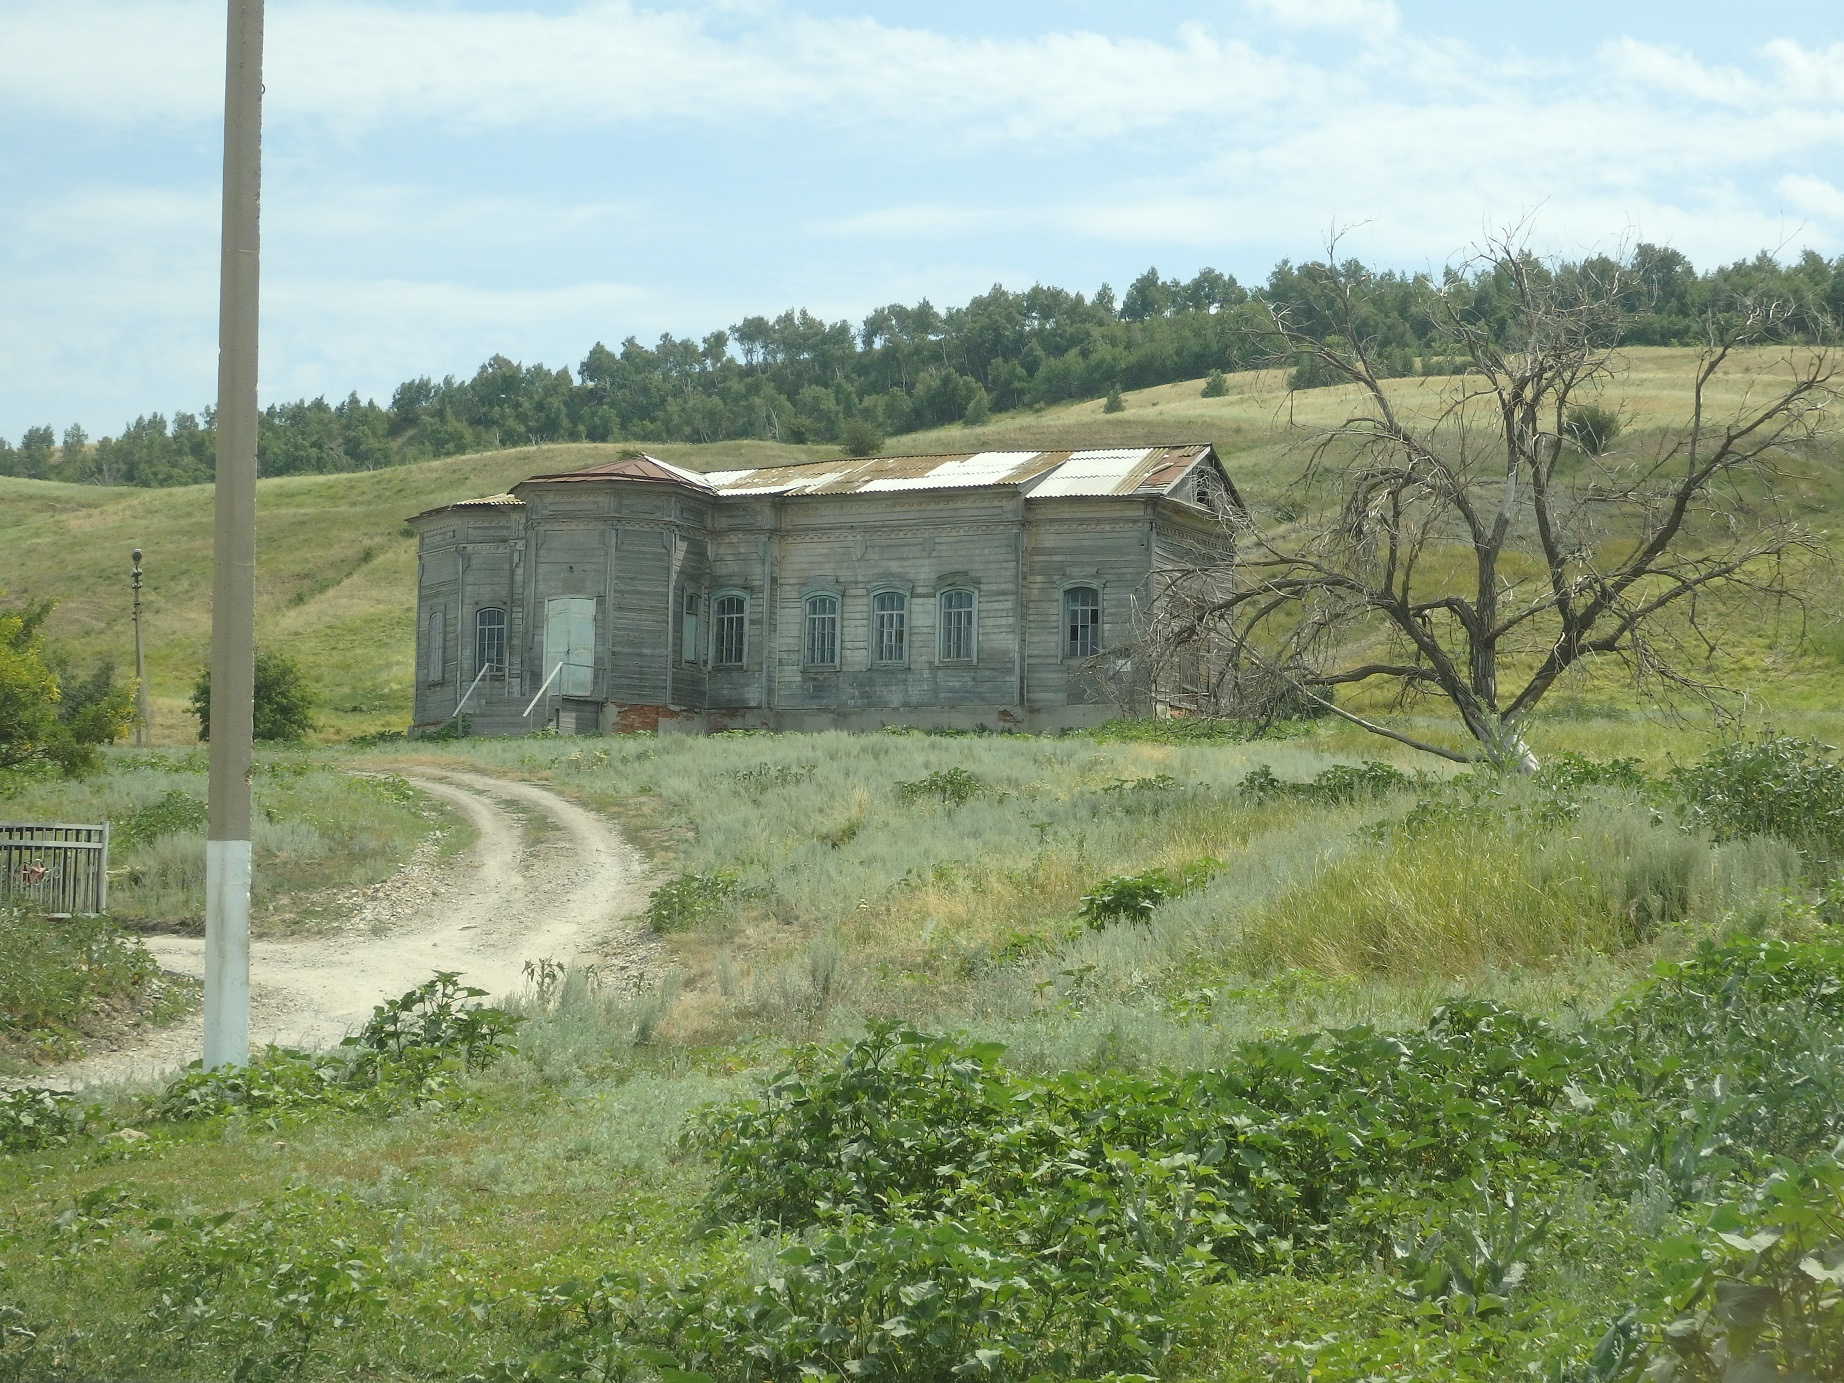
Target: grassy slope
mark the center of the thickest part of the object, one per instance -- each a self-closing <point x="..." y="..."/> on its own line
<point x="337" y="564"/>
<point x="951" y="917"/>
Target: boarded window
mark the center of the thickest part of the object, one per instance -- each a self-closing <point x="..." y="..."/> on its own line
<point x="889" y="627"/>
<point x="729" y="630"/>
<point x="569" y="644"/>
<point x="1081" y="622"/>
<point x="957" y="636"/>
<point x="822" y="644"/>
<point x="435" y="647"/>
<point x="691" y="646"/>
<point x="490" y="642"/>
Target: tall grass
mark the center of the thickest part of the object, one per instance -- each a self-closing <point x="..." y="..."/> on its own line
<point x="317" y="828"/>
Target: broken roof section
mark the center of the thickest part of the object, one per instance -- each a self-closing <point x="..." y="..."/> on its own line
<point x="1116" y="471"/>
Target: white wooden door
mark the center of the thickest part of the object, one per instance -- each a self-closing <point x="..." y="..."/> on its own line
<point x="569" y="638"/>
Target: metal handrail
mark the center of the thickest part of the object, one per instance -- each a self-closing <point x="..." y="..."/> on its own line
<point x="542" y="690"/>
<point x="485" y="668"/>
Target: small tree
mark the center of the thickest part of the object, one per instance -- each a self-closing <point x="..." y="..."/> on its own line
<point x="1215" y="386"/>
<point x="284" y="705"/>
<point x="1115" y="403"/>
<point x="860" y="437"/>
<point x="1441" y="545"/>
<point x="39" y="726"/>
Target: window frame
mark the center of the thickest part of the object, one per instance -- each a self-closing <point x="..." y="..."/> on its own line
<point x="1070" y="646"/>
<point x="807" y="617"/>
<point x="875" y="642"/>
<point x="714" y="639"/>
<point x="499" y="666"/>
<point x="942" y="655"/>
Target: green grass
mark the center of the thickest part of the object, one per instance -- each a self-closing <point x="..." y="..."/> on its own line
<point x="319" y="831"/>
<point x="449" y="1241"/>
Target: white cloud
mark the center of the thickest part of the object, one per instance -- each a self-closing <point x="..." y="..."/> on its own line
<point x="1368" y="18"/>
<point x="354" y="65"/>
<point x="1813" y="195"/>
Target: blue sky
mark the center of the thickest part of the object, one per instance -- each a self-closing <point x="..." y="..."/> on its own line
<point x="450" y="178"/>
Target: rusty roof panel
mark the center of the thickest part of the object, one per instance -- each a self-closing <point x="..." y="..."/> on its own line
<point x="1040" y="474"/>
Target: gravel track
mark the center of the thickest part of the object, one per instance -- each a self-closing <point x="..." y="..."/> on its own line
<point x="568" y="898"/>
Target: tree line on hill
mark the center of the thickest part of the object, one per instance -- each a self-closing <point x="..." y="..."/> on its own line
<point x="798" y="378"/>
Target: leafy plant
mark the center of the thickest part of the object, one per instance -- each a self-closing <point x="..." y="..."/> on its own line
<point x="1134" y="897"/>
<point x="1215" y="386"/>
<point x="32" y="1117"/>
<point x="409" y="1049"/>
<point x="1760" y="1293"/>
<point x="54" y="973"/>
<point x="1477" y="1257"/>
<point x="175" y="812"/>
<point x="951" y="786"/>
<point x="1778" y="785"/>
<point x="689" y="899"/>
<point x="1342" y="783"/>
<point x="433" y="1024"/>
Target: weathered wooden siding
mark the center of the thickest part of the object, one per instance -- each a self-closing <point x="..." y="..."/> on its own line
<point x="636" y="548"/>
<point x="1080" y="542"/>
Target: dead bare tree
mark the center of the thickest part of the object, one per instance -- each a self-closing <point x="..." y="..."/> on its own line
<point x="1445" y="550"/>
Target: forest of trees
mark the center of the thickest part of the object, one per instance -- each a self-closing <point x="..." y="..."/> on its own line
<point x="800" y="379"/>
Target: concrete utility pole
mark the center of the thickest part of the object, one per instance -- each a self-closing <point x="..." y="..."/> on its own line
<point x="143" y="722"/>
<point x="233" y="576"/>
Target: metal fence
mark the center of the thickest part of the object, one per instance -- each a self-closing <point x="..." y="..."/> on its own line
<point x="61" y="870"/>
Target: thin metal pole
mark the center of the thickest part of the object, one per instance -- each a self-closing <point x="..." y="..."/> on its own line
<point x="143" y="722"/>
<point x="233" y="577"/>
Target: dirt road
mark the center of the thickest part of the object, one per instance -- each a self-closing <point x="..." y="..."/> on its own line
<point x="545" y="879"/>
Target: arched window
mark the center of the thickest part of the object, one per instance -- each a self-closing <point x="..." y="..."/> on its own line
<point x="1081" y="622"/>
<point x="729" y="630"/>
<point x="490" y="641"/>
<point x="822" y="642"/>
<point x="957" y="640"/>
<point x="889" y="627"/>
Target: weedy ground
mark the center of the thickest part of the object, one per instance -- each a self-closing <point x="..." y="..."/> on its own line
<point x="912" y="1103"/>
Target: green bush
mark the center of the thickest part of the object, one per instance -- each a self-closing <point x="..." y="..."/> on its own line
<point x="1215" y="386"/>
<point x="1776" y="785"/>
<point x="1591" y="427"/>
<point x="1134" y="897"/>
<point x="690" y="898"/>
<point x="1340" y="784"/>
<point x="175" y="812"/>
<point x="284" y="705"/>
<point x="951" y="786"/>
<point x="33" y="1118"/>
<point x="1759" y="1294"/>
<point x="410" y="1050"/>
<point x="54" y="972"/>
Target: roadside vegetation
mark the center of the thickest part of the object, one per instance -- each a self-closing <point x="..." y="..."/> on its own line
<point x="1102" y="1056"/>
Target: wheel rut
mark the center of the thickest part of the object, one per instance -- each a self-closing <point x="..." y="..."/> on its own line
<point x="570" y="896"/>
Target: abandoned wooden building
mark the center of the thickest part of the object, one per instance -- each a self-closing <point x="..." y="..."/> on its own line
<point x="1001" y="589"/>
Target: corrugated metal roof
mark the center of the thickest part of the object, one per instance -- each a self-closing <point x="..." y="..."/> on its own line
<point x="1046" y="474"/>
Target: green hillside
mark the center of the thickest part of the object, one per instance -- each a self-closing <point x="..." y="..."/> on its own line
<point x="336" y="562"/>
